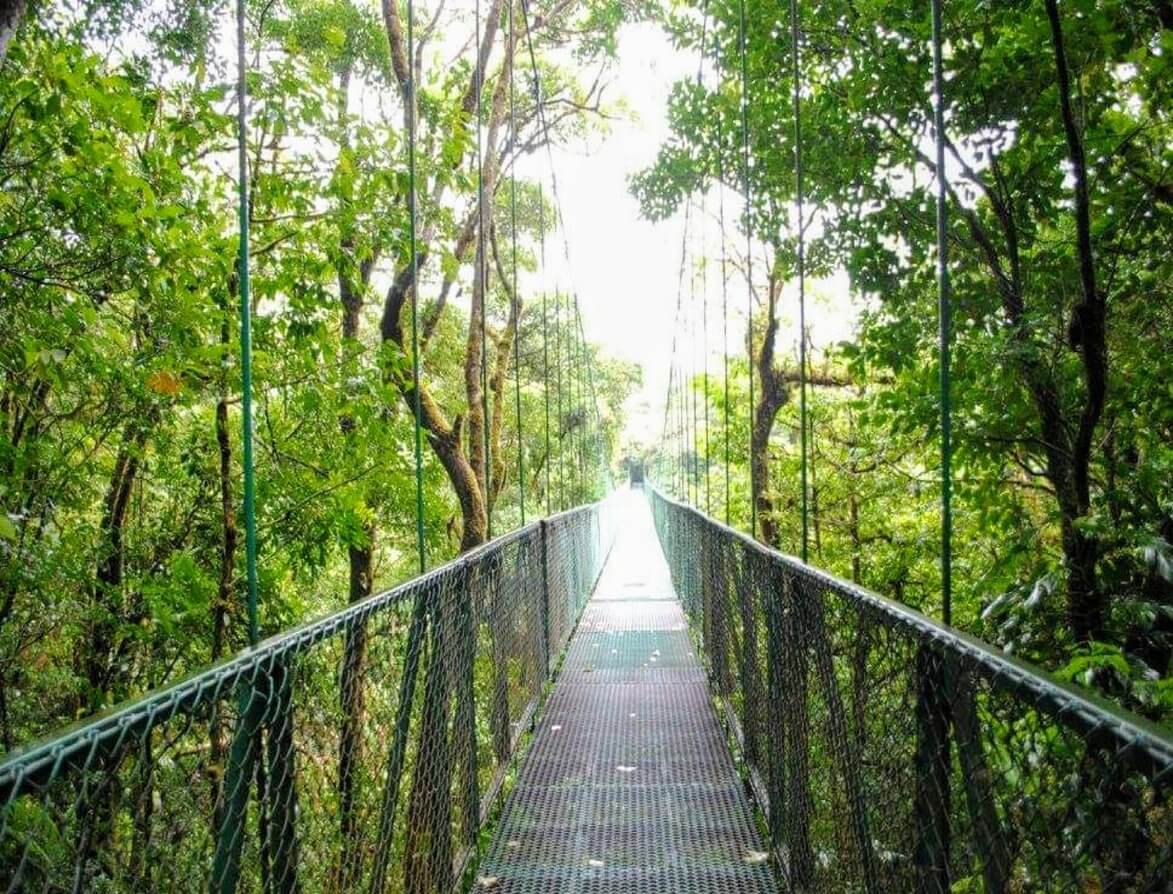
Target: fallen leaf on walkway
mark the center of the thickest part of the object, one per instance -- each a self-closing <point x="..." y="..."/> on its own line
<point x="754" y="857"/>
<point x="488" y="881"/>
<point x="624" y="768"/>
<point x="595" y="864"/>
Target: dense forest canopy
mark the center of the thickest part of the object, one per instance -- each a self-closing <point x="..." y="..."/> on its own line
<point x="1059" y="166"/>
<point x="121" y="537"/>
<point x="121" y="553"/>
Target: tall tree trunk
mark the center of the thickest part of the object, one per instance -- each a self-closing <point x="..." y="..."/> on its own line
<point x="772" y="397"/>
<point x="107" y="612"/>
<point x="465" y="468"/>
<point x="1085" y="600"/>
<point x="11" y="13"/>
<point x="107" y="605"/>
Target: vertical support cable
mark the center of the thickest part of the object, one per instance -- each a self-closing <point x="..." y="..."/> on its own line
<point x="246" y="354"/>
<point x="704" y="279"/>
<point x="559" y="217"/>
<point x="705" y="355"/>
<point x="483" y="271"/>
<point x="594" y="396"/>
<point x="695" y="464"/>
<point x="545" y="343"/>
<point x="679" y="330"/>
<point x="944" y="302"/>
<point x="753" y="509"/>
<point x="687" y="360"/>
<point x="558" y="384"/>
<point x="576" y="387"/>
<point x="516" y="298"/>
<point x="410" y="113"/>
<point x="798" y="192"/>
<point x="724" y="313"/>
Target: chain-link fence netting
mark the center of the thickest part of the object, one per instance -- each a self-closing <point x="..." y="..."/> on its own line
<point x="361" y="752"/>
<point x="890" y="753"/>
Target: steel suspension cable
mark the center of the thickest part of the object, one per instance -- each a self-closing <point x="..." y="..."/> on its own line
<point x="724" y="309"/>
<point x="705" y="356"/>
<point x="746" y="186"/>
<point x="669" y="431"/>
<point x="690" y="394"/>
<point x="549" y="461"/>
<point x="679" y="327"/>
<point x="558" y="386"/>
<point x="516" y="297"/>
<point x="483" y="276"/>
<point x="796" y="93"/>
<point x="695" y="464"/>
<point x="410" y="114"/>
<point x="578" y="407"/>
<point x="559" y="216"/>
<point x="705" y="294"/>
<point x="246" y="363"/>
<point x="591" y="389"/>
<point x="944" y="302"/>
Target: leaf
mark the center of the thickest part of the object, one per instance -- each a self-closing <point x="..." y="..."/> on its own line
<point x="7" y="528"/>
<point x="163" y="381"/>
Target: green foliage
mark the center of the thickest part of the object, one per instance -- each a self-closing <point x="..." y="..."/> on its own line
<point x="1017" y="362"/>
<point x="121" y="545"/>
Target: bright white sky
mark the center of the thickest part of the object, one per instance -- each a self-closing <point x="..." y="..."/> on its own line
<point x="625" y="268"/>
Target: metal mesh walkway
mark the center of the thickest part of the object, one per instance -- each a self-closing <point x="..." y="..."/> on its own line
<point x="629" y="785"/>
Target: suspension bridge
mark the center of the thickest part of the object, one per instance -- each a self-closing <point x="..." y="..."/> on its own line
<point x="582" y="705"/>
<point x="627" y="696"/>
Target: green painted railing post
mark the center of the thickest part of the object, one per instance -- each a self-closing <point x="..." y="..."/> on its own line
<point x="499" y="624"/>
<point x="398" y="754"/>
<point x="931" y="799"/>
<point x="464" y="726"/>
<point x="242" y="759"/>
<point x="282" y="782"/>
<point x="543" y="529"/>
<point x="778" y="744"/>
<point x="842" y="744"/>
<point x="977" y="780"/>
<point x="800" y="803"/>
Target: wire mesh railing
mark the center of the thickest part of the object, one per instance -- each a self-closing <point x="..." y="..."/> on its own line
<point x="891" y="753"/>
<point x="361" y="752"/>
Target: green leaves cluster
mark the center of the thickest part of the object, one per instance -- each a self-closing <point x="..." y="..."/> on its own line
<point x="1035" y="557"/>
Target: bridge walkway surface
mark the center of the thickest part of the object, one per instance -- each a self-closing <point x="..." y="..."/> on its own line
<point x="629" y="785"/>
